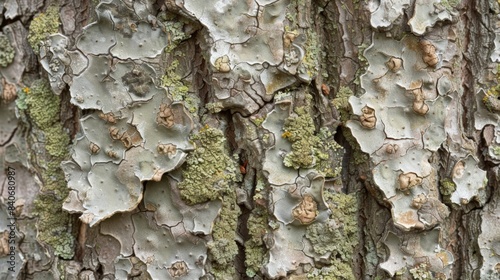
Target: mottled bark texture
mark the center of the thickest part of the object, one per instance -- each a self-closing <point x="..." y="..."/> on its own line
<point x="287" y="139"/>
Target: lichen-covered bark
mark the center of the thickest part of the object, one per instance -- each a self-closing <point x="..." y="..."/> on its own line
<point x="288" y="139"/>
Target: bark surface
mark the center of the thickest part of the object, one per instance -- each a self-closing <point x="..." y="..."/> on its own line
<point x="288" y="139"/>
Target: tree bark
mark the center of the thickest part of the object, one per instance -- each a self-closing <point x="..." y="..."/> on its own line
<point x="288" y="139"/>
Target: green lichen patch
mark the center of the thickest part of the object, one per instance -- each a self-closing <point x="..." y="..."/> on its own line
<point x="496" y="150"/>
<point x="178" y="88"/>
<point x="258" y="120"/>
<point x="338" y="270"/>
<point x="210" y="174"/>
<point x="447" y="187"/>
<point x="330" y="164"/>
<point x="175" y="34"/>
<point x="311" y="57"/>
<point x="450" y="5"/>
<point x="223" y="249"/>
<point x="53" y="224"/>
<point x="421" y="272"/>
<point x="299" y="129"/>
<point x="491" y="99"/>
<point x="254" y="247"/>
<point x="173" y="25"/>
<point x="42" y="109"/>
<point x="7" y="52"/>
<point x="214" y="107"/>
<point x="341" y="103"/>
<point x="309" y="149"/>
<point x="57" y="141"/>
<point x="210" y="171"/>
<point x="43" y="25"/>
<point x="338" y="236"/>
<point x="43" y="105"/>
<point x="21" y="99"/>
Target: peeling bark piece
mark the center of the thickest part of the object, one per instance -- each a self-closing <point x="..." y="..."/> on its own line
<point x="121" y="228"/>
<point x="278" y="174"/>
<point x="410" y="249"/>
<point x="386" y="12"/>
<point x="286" y="253"/>
<point x="470" y="181"/>
<point x="160" y="250"/>
<point x="97" y="202"/>
<point x="426" y="14"/>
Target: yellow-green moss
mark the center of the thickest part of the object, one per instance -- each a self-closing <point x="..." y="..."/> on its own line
<point x="42" y="108"/>
<point x="7" y="52"/>
<point x="338" y="236"/>
<point x="57" y="141"/>
<point x="43" y="25"/>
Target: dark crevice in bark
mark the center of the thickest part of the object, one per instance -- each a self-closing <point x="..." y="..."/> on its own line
<point x="10" y="137"/>
<point x="9" y="21"/>
<point x="478" y="18"/>
<point x="476" y="58"/>
<point x="470" y="260"/>
<point x="242" y="229"/>
<point x="244" y="233"/>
